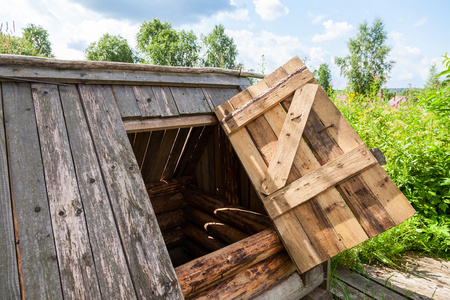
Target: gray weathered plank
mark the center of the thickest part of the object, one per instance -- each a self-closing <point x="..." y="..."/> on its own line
<point x="150" y="156"/>
<point x="126" y="101"/>
<point x="214" y="97"/>
<point x="148" y="260"/>
<point x="146" y="101"/>
<point x="190" y="100"/>
<point x="9" y="275"/>
<point x="162" y="156"/>
<point x="121" y="77"/>
<point x="175" y="153"/>
<point x="110" y="263"/>
<point x="165" y="100"/>
<point x="38" y="255"/>
<point x="76" y="264"/>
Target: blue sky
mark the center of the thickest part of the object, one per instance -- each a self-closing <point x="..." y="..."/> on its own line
<point x="316" y="31"/>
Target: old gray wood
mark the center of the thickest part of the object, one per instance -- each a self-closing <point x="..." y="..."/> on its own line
<point x="190" y="100"/>
<point x="165" y="100"/>
<point x="110" y="263"/>
<point x="120" y="77"/>
<point x="9" y="275"/>
<point x="126" y="101"/>
<point x="146" y="101"/>
<point x="160" y="160"/>
<point x="148" y="260"/>
<point x="214" y="97"/>
<point x="76" y="264"/>
<point x="38" y="255"/>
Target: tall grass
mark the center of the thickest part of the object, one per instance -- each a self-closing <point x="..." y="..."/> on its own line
<point x="12" y="44"/>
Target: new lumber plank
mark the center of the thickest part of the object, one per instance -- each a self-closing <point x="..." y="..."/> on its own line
<point x="318" y="181"/>
<point x="35" y="236"/>
<point x="205" y="272"/>
<point x="190" y="100"/>
<point x="75" y="258"/>
<point x="390" y="197"/>
<point x="166" y="103"/>
<point x="289" y="138"/>
<point x="110" y="262"/>
<point x="126" y="101"/>
<point x="148" y="260"/>
<point x="9" y="273"/>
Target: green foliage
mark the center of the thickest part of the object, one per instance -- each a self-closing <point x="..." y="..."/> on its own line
<point x="39" y="37"/>
<point x="323" y="76"/>
<point x="163" y="45"/>
<point x="415" y="138"/>
<point x="433" y="81"/>
<point x="111" y="48"/>
<point x="34" y="41"/>
<point x="220" y="50"/>
<point x="367" y="59"/>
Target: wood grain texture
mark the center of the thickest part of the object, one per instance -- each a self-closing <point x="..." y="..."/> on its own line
<point x="190" y="100"/>
<point x="289" y="139"/>
<point x="38" y="255"/>
<point x="126" y="101"/>
<point x="189" y="148"/>
<point x="146" y="101"/>
<point x="154" y="124"/>
<point x="175" y="153"/>
<point x="149" y="264"/>
<point x="159" y="161"/>
<point x="110" y="263"/>
<point x="140" y="147"/>
<point x="166" y="103"/>
<point x="209" y="270"/>
<point x="316" y="182"/>
<point x="154" y="144"/>
<point x="9" y="274"/>
<point x="75" y="257"/>
<point x="199" y="236"/>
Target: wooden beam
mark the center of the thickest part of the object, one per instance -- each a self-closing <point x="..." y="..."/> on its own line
<point x="314" y="183"/>
<point x="289" y="139"/>
<point x="154" y="124"/>
<point x="226" y="262"/>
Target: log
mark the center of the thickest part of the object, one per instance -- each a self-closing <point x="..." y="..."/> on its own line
<point x="171" y="219"/>
<point x="207" y="271"/>
<point x="201" y="237"/>
<point x="319" y="294"/>
<point x="214" y="226"/>
<point x="238" y="217"/>
<point x="174" y="237"/>
<point x="168" y="187"/>
<point x="252" y="281"/>
<point x="178" y="256"/>
<point x="194" y="249"/>
<point x="166" y="203"/>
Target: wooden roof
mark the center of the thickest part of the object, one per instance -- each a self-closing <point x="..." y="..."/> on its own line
<point x="75" y="215"/>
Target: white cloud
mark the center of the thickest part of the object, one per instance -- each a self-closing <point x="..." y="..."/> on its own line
<point x="315" y="19"/>
<point x="270" y="9"/>
<point x="412" y="50"/>
<point x="332" y="31"/>
<point x="421" y="22"/>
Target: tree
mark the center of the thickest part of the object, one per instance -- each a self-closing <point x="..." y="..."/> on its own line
<point x="323" y="76"/>
<point x="38" y="36"/>
<point x="111" y="48"/>
<point x="433" y="81"/>
<point x="220" y="49"/>
<point x="368" y="57"/>
<point x="163" y="45"/>
<point x="34" y="41"/>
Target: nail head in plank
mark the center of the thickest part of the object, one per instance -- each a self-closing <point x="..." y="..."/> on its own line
<point x="148" y="260"/>
<point x="38" y="255"/>
<point x="146" y="101"/>
<point x="75" y="258"/>
<point x="9" y="274"/>
<point x="289" y="139"/>
<point x="110" y="263"/>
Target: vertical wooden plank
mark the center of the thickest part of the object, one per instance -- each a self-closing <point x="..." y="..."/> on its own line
<point x="189" y="148"/>
<point x="166" y="103"/>
<point x="131" y="137"/>
<point x="9" y="274"/>
<point x="110" y="263"/>
<point x="152" y="150"/>
<point x="76" y="264"/>
<point x="146" y="101"/>
<point x="38" y="255"/>
<point x="190" y="100"/>
<point x="159" y="162"/>
<point x="175" y="153"/>
<point x="200" y="147"/>
<point x="126" y="101"/>
<point x="140" y="146"/>
<point x="148" y="260"/>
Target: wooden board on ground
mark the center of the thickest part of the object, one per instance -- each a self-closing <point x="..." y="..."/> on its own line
<point x="318" y="176"/>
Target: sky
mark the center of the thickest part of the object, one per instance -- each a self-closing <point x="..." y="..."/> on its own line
<point x="267" y="32"/>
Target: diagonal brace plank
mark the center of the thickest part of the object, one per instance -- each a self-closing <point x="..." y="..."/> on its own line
<point x="289" y="139"/>
<point x="314" y="183"/>
<point x="265" y="101"/>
